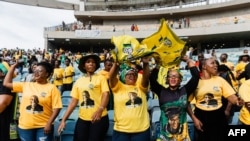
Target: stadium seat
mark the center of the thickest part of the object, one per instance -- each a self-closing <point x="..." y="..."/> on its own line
<point x="235" y="120"/>
<point x="155" y="122"/>
<point x="191" y="130"/>
<point x="68" y="133"/>
<point x="66" y="100"/>
<point x="66" y="93"/>
<point x="111" y="126"/>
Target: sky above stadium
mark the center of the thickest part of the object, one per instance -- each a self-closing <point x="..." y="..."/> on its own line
<point x="22" y="26"/>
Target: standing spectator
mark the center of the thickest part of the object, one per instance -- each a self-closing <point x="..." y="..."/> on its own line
<point x="190" y="51"/>
<point x="114" y="29"/>
<point x="68" y="75"/>
<point x="245" y="52"/>
<point x="105" y="72"/>
<point x="130" y="103"/>
<point x="93" y="121"/>
<point x="90" y="25"/>
<point x="240" y="66"/>
<point x="188" y="22"/>
<point x="180" y="22"/>
<point x="236" y="20"/>
<point x="58" y="75"/>
<point x="244" y="116"/>
<point x="209" y="119"/>
<point x="36" y="125"/>
<point x="136" y="28"/>
<point x="207" y="54"/>
<point x="185" y="22"/>
<point x="30" y="76"/>
<point x="133" y="27"/>
<point x="173" y="101"/>
<point x="6" y="103"/>
<point x="63" y="26"/>
<point x="223" y="60"/>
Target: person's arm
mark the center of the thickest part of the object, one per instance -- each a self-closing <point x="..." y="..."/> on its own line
<point x="5" y="100"/>
<point x="66" y="115"/>
<point x="241" y="75"/>
<point x="228" y="109"/>
<point x="235" y="100"/>
<point x="104" y="102"/>
<point x="47" y="128"/>
<point x="9" y="76"/>
<point x="154" y="85"/>
<point x="146" y="71"/>
<point x="113" y="75"/>
<point x="193" y="82"/>
<point x="197" y="123"/>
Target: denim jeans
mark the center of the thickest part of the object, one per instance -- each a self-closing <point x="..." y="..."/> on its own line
<point x="140" y="136"/>
<point x="36" y="134"/>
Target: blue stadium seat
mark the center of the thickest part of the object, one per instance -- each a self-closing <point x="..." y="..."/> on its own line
<point x="235" y="120"/>
<point x="111" y="126"/>
<point x="66" y="100"/>
<point x="66" y="93"/>
<point x="155" y="122"/>
<point x="68" y="133"/>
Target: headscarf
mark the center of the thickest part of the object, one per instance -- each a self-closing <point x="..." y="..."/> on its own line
<point x="124" y="70"/>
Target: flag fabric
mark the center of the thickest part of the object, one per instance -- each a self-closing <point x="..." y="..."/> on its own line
<point x="4" y="67"/>
<point x="167" y="45"/>
<point x="128" y="48"/>
<point x="163" y="45"/>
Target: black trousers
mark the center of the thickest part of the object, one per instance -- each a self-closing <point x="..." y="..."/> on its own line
<point x="88" y="131"/>
<point x="214" y="125"/>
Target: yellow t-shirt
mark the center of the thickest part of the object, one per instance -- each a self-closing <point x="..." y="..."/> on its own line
<point x="209" y="92"/>
<point x="230" y="65"/>
<point x="89" y="93"/>
<point x="47" y="56"/>
<point x="104" y="73"/>
<point x="44" y="97"/>
<point x="58" y="76"/>
<point x="130" y="116"/>
<point x="78" y="56"/>
<point x="240" y="67"/>
<point x="69" y="70"/>
<point x="244" y="94"/>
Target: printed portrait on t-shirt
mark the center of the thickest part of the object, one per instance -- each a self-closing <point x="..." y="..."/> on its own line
<point x="173" y="124"/>
<point x="34" y="107"/>
<point x="87" y="101"/>
<point x="209" y="101"/>
<point x="134" y="100"/>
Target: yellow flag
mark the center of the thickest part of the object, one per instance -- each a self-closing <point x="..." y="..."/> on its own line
<point x="127" y="48"/>
<point x="168" y="48"/>
<point x="167" y="45"/>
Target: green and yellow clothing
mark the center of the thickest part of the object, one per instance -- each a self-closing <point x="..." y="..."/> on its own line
<point x="130" y="116"/>
<point x="95" y="86"/>
<point x="49" y="98"/>
<point x="244" y="89"/>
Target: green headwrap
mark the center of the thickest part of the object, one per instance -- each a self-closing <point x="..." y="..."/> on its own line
<point x="124" y="70"/>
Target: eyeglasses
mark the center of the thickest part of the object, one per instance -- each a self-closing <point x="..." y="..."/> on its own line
<point x="173" y="76"/>
<point x="131" y="74"/>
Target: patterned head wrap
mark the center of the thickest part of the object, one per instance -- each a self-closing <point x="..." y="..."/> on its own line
<point x="124" y="70"/>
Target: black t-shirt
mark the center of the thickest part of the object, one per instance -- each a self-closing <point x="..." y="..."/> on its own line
<point x="7" y="115"/>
